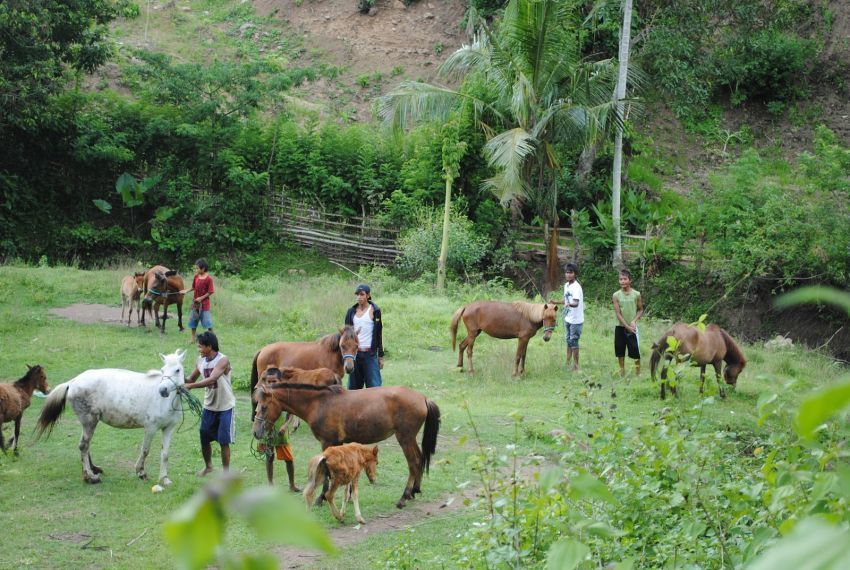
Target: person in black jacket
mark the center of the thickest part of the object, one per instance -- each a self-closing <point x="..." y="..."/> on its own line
<point x="365" y="317"/>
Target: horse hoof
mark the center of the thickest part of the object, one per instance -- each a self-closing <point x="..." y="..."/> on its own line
<point x="165" y="482"/>
<point x="361" y="520"/>
<point x="143" y="476"/>
<point x="92" y="480"/>
<point x="96" y="470"/>
<point x="400" y="504"/>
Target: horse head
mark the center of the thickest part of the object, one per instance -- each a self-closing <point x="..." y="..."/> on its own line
<point x="173" y="375"/>
<point x="550" y="316"/>
<point x="268" y="410"/>
<point x="731" y="372"/>
<point x="348" y="345"/>
<point x="371" y="465"/>
<point x="39" y="382"/>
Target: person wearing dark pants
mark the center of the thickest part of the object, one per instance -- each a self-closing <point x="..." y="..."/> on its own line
<point x="365" y="317"/>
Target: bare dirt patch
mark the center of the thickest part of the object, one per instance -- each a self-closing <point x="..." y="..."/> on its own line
<point x="91" y="314"/>
<point x="347" y="535"/>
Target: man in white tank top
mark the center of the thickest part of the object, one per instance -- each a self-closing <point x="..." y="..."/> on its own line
<point x="218" y="421"/>
<point x="365" y="317"/>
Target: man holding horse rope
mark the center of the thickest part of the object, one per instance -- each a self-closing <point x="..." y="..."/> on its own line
<point x="365" y="317"/>
<point x="218" y="422"/>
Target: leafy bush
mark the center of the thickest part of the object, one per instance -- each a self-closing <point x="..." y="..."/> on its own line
<point x="420" y="247"/>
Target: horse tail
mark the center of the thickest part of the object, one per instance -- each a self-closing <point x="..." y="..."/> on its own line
<point x="453" y="328"/>
<point x="429" y="435"/>
<point x="255" y="377"/>
<point x="54" y="405"/>
<point x="657" y="350"/>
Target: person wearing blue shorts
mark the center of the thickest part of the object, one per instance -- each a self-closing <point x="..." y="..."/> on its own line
<point x="573" y="313"/>
<point x="218" y="422"/>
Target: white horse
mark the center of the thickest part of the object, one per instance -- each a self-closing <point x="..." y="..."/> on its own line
<point x="122" y="399"/>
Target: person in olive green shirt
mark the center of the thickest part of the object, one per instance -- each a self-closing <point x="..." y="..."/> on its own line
<point x="628" y="308"/>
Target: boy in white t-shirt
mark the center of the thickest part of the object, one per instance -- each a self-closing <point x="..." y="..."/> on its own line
<point x="573" y="313"/>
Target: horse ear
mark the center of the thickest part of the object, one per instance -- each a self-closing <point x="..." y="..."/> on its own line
<point x="162" y="356"/>
<point x="357" y="331"/>
<point x="181" y="353"/>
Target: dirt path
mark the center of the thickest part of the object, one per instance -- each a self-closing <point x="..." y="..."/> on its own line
<point x="346" y="535"/>
<point x="90" y="314"/>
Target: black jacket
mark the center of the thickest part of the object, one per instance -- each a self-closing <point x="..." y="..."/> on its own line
<point x="377" y="332"/>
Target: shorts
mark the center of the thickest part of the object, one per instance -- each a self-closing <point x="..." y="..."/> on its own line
<point x="205" y="318"/>
<point x="283" y="451"/>
<point x="625" y="340"/>
<point x="573" y="333"/>
<point x="218" y="426"/>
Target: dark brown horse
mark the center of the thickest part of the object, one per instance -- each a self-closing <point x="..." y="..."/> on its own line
<point x="338" y="416"/>
<point x="162" y="288"/>
<point x="15" y="398"/>
<point x="711" y="346"/>
<point x="335" y="351"/>
<point x="498" y="319"/>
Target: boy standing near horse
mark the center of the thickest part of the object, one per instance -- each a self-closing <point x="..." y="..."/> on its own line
<point x="628" y="308"/>
<point x="218" y="422"/>
<point x="365" y="317"/>
<point x="202" y="285"/>
<point x="573" y="313"/>
<point x="279" y="445"/>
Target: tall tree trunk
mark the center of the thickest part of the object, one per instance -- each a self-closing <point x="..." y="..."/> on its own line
<point x="444" y="245"/>
<point x="625" y="35"/>
<point x="552" y="265"/>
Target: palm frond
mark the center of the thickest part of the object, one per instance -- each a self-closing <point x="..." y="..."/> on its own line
<point x="414" y="101"/>
<point x="506" y="153"/>
<point x="472" y="57"/>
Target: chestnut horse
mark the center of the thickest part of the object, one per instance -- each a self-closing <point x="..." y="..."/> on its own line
<point x="15" y="398"/>
<point x="162" y="288"/>
<point x="335" y="351"/>
<point x="343" y="464"/>
<point x="711" y="346"/>
<point x="131" y="294"/>
<point x="499" y="319"/>
<point x="338" y="416"/>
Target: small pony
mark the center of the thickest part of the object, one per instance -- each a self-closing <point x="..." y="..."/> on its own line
<point x="15" y="398"/>
<point x="317" y="377"/>
<point x="519" y="320"/>
<point x="131" y="295"/>
<point x="712" y="346"/>
<point x="343" y="464"/>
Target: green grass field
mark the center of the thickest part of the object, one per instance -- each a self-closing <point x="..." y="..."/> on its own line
<point x="52" y="519"/>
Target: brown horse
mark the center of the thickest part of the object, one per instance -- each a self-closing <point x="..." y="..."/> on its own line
<point x="316" y="377"/>
<point x="498" y="319"/>
<point x="711" y="346"/>
<point x="15" y="398"/>
<point x="335" y="351"/>
<point x="338" y="416"/>
<point x="343" y="464"/>
<point x="131" y="295"/>
<point x="162" y="288"/>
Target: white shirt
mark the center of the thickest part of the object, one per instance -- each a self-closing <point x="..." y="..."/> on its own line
<point x="365" y="326"/>
<point x="572" y="293"/>
<point x="218" y="398"/>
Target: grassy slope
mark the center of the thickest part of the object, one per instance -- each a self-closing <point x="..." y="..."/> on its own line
<point x="46" y="503"/>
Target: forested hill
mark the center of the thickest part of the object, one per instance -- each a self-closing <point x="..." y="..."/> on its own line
<point x="156" y="130"/>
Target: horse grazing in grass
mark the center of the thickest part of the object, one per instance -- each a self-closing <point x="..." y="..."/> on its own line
<point x="343" y="464"/>
<point x="122" y="399"/>
<point x="131" y="294"/>
<point x="338" y="416"/>
<point x="499" y="319"/>
<point x="335" y="351"/>
<point x="711" y="346"/>
<point x="163" y="288"/>
<point x="15" y="398"/>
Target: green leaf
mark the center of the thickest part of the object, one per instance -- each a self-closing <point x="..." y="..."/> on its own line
<point x="566" y="554"/>
<point x="549" y="478"/>
<point x="586" y="486"/>
<point x="815" y="294"/>
<point x="103" y="206"/>
<point x="194" y="532"/>
<point x="820" y="406"/>
<point x="814" y="543"/>
<point x="275" y="516"/>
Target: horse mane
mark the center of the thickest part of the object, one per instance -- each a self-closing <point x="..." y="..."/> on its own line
<point x="331" y="341"/>
<point x="532" y="311"/>
<point x="25" y="379"/>
<point x="337" y="388"/>
<point x="734" y="354"/>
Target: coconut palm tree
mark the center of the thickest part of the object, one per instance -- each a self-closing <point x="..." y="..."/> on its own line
<point x="532" y="94"/>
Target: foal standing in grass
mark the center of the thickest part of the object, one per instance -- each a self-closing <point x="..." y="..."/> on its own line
<point x="343" y="464"/>
<point x="15" y="398"/>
